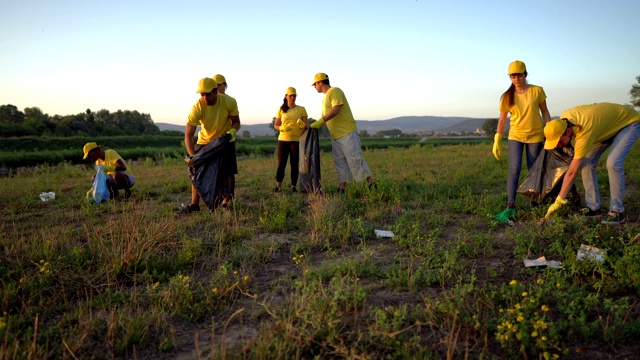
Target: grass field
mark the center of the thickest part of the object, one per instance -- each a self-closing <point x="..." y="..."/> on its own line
<point x="304" y="276"/>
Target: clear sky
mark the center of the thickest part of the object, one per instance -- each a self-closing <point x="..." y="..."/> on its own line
<point x="392" y="58"/>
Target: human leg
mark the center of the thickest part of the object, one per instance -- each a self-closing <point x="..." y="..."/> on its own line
<point x="294" y="150"/>
<point x="340" y="164"/>
<point x="589" y="177"/>
<point x="358" y="168"/>
<point x="515" y="164"/>
<point x="532" y="152"/>
<point x="622" y="144"/>
<point x="282" y="152"/>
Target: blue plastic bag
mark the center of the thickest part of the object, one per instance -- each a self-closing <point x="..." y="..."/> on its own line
<point x="99" y="191"/>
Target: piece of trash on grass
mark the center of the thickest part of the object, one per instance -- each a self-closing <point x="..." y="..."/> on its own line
<point x="384" y="233"/>
<point x="590" y="253"/>
<point x="47" y="196"/>
<point x="542" y="261"/>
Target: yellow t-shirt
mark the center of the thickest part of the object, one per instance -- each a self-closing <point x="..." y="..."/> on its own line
<point x="111" y="158"/>
<point x="343" y="123"/>
<point x="525" y="123"/>
<point x="289" y="119"/>
<point x="597" y="123"/>
<point x="213" y="120"/>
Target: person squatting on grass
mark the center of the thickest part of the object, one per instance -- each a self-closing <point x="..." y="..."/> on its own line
<point x="595" y="128"/>
<point x="119" y="175"/>
<point x="345" y="142"/>
<point x="291" y="120"/>
<point x="217" y="115"/>
<point x="524" y="102"/>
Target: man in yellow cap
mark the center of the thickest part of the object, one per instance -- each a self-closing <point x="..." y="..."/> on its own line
<point x="217" y="115"/>
<point x="119" y="176"/>
<point x="345" y="142"/>
<point x="221" y="83"/>
<point x="595" y="128"/>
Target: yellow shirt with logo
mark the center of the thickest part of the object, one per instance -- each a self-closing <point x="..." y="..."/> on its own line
<point x="213" y="120"/>
<point x="597" y="123"/>
<point x="289" y="119"/>
<point x="111" y="158"/>
<point x="525" y="123"/>
<point x="344" y="123"/>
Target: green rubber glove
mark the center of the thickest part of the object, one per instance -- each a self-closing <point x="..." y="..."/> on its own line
<point x="108" y="168"/>
<point x="232" y="131"/>
<point x="284" y="128"/>
<point x="557" y="205"/>
<point x="496" y="146"/>
<point x="318" y="124"/>
<point x="301" y="124"/>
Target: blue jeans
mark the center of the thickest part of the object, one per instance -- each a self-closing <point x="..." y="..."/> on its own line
<point x="516" y="149"/>
<point x="621" y="144"/>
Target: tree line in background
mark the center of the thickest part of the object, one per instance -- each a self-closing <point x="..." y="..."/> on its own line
<point x="33" y="122"/>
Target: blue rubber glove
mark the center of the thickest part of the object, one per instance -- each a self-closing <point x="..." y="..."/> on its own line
<point x="318" y="124"/>
<point x="232" y="131"/>
<point x="557" y="205"/>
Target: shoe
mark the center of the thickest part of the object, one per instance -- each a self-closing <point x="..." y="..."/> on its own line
<point x="188" y="209"/>
<point x="614" y="218"/>
<point x="293" y="189"/>
<point x="127" y="194"/>
<point x="276" y="190"/>
<point x="341" y="190"/>
<point x="588" y="213"/>
<point x="373" y="185"/>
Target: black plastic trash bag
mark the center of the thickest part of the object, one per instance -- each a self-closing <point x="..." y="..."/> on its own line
<point x="544" y="181"/>
<point x="309" y="163"/>
<point x="209" y="170"/>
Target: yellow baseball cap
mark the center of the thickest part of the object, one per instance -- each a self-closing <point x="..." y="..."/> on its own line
<point x="219" y="79"/>
<point x="88" y="147"/>
<point x="290" y="91"/>
<point x="517" y="67"/>
<point x="553" y="132"/>
<point x="206" y="85"/>
<point x="319" y="77"/>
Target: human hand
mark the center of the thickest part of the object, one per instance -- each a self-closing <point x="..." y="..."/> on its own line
<point x="189" y="160"/>
<point x="301" y="124"/>
<point x="232" y="132"/>
<point x="284" y="128"/>
<point x="318" y="124"/>
<point x="496" y="146"/>
<point x="557" y="205"/>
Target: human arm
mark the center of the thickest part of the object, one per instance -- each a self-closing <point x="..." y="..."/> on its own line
<point x="567" y="183"/>
<point x="545" y="111"/>
<point x="189" y="132"/>
<point x="277" y="123"/>
<point x="119" y="166"/>
<point x="332" y="113"/>
<point x="497" y="138"/>
<point x="235" y="126"/>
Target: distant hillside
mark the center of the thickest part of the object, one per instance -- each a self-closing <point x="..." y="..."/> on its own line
<point x="406" y="124"/>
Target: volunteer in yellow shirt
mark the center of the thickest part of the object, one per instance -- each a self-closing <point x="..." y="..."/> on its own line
<point x="595" y="128"/>
<point x="524" y="103"/>
<point x="291" y="120"/>
<point x="345" y="142"/>
<point x="119" y="175"/>
<point x="216" y="114"/>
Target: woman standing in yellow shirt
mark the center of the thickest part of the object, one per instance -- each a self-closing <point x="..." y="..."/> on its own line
<point x="525" y="103"/>
<point x="291" y="120"/>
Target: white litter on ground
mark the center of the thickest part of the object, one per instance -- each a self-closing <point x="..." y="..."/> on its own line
<point x="384" y="233"/>
<point x="47" y="196"/>
<point x="542" y="261"/>
<point x="590" y="253"/>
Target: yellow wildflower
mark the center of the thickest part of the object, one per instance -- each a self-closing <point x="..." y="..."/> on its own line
<point x="513" y="282"/>
<point x="544" y="308"/>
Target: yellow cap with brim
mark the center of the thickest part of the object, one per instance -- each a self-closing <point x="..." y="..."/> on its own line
<point x="553" y="132"/>
<point x="88" y="147"/>
<point x="290" y="91"/>
<point x="319" y="77"/>
<point x="219" y="79"/>
<point x="517" y="67"/>
<point x="206" y="85"/>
